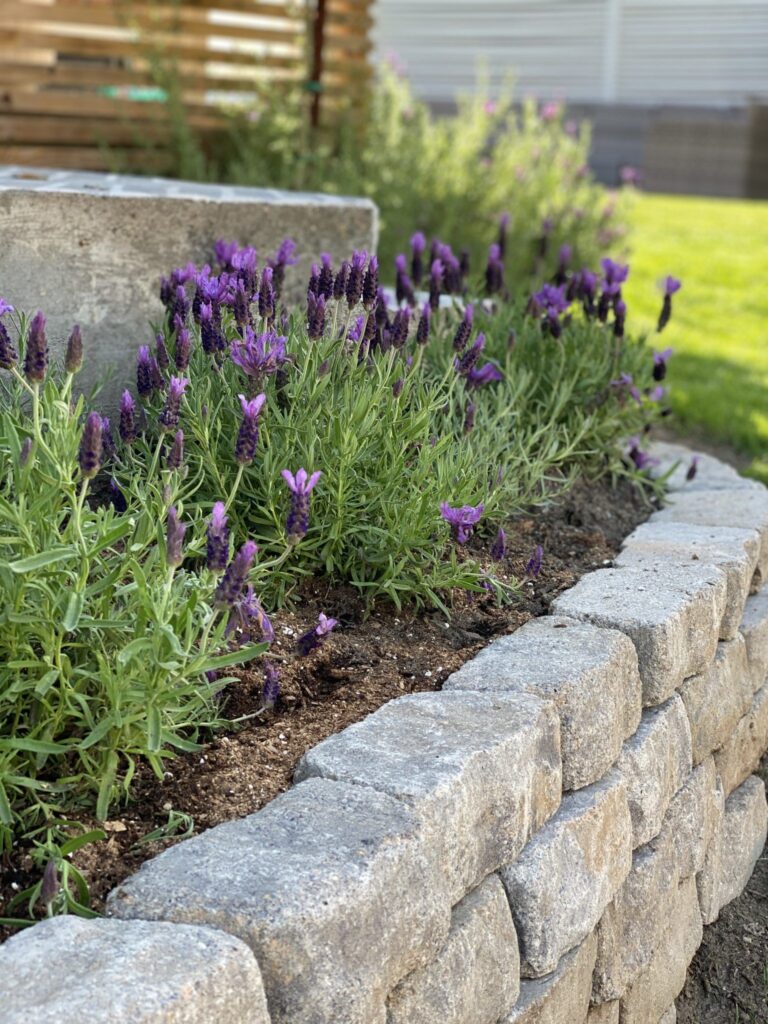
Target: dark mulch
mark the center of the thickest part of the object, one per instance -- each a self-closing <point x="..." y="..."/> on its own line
<point x="366" y="662"/>
<point x="728" y="979"/>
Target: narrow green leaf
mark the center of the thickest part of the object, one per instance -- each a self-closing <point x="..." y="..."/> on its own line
<point x="74" y="609"/>
<point x="42" y="559"/>
<point x="234" y="657"/>
<point x="105" y="789"/>
<point x="33" y="746"/>
<point x="6" y="817"/>
<point x="78" y="842"/>
<point x="154" y="729"/>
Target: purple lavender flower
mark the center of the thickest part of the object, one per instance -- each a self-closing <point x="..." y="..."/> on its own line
<point x="9" y="357"/>
<point x="161" y="353"/>
<point x="494" y="271"/>
<point x="403" y="286"/>
<point x="640" y="459"/>
<point x="91" y="446"/>
<point x="626" y="383"/>
<point x="397" y="387"/>
<point x="267" y="294"/>
<point x="312" y="639"/>
<point x="340" y="281"/>
<point x="325" y="281"/>
<point x="464" y="330"/>
<point x="399" y="330"/>
<point x="127" y="425"/>
<point x="461" y="520"/>
<point x="355" y="332"/>
<point x="301" y="487"/>
<point x="435" y="284"/>
<point x="315" y="316"/>
<point x="563" y="262"/>
<point x="660" y="360"/>
<point x="174" y="538"/>
<point x="176" y="454"/>
<point x="671" y="285"/>
<point x="271" y="690"/>
<point x="501" y="241"/>
<point x="551" y="299"/>
<point x="313" y="287"/>
<point x="217" y="536"/>
<point x="116" y="496"/>
<point x="284" y="257"/>
<point x="465" y="363"/>
<point x="180" y="306"/>
<point x="182" y="351"/>
<point x="144" y="383"/>
<point x="49" y="889"/>
<point x="620" y="316"/>
<point x="233" y="581"/>
<point x="418" y="245"/>
<point x="252" y="609"/>
<point x="371" y="283"/>
<point x="107" y="440"/>
<point x="499" y="546"/>
<point x="73" y="359"/>
<point x="36" y="354"/>
<point x="259" y="355"/>
<point x="211" y="334"/>
<point x="422" y="331"/>
<point x="248" y="435"/>
<point x="614" y="273"/>
<point x="5" y="307"/>
<point x="469" y="417"/>
<point x="487" y="374"/>
<point x="169" y="415"/>
<point x="692" y="468"/>
<point x="533" y="565"/>
<point x="630" y="175"/>
<point x="354" y="288"/>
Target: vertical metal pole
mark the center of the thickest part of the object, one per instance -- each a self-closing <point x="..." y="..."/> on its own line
<point x="611" y="50"/>
<point x="317" y="62"/>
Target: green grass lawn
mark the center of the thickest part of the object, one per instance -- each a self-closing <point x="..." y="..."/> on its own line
<point x="719" y="327"/>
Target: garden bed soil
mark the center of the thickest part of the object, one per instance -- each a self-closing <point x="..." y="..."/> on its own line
<point x="367" y="661"/>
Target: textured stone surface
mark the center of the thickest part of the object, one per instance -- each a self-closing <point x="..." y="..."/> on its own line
<point x="562" y="881"/>
<point x="734" y="850"/>
<point x="475" y="977"/>
<point x="656" y="987"/>
<point x="655" y="762"/>
<point x="86" y="248"/>
<point x="604" y="1013"/>
<point x="694" y="818"/>
<point x="128" y="972"/>
<point x="741" y="754"/>
<point x="734" y="551"/>
<point x="711" y="473"/>
<point x="670" y="1017"/>
<point x="329" y="885"/>
<point x="718" y="698"/>
<point x="671" y="613"/>
<point x="589" y="674"/>
<point x="754" y="629"/>
<point x="745" y="508"/>
<point x="561" y="997"/>
<point x="481" y="770"/>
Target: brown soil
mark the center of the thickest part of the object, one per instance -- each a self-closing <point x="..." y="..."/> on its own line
<point x="728" y="979"/>
<point x="366" y="662"/>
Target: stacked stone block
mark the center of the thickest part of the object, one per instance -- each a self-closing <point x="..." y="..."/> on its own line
<point x="542" y="842"/>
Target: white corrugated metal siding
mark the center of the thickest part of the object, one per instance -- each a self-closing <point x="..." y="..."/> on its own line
<point x="708" y="52"/>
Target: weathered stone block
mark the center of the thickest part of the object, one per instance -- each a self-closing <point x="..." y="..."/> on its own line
<point x="480" y="770"/>
<point x="694" y="818"/>
<point x="734" y="551"/>
<point x="128" y="972"/>
<point x="655" y="988"/>
<point x="718" y="698"/>
<point x="604" y="1013"/>
<point x="741" y="754"/>
<point x="561" y="997"/>
<point x="670" y="1017"/>
<point x="86" y="249"/>
<point x="745" y="508"/>
<point x="733" y="852"/>
<point x="711" y="473"/>
<point x="655" y="763"/>
<point x="589" y="674"/>
<point x="754" y="629"/>
<point x="671" y="613"/>
<point x="475" y="978"/>
<point x="562" y="881"/>
<point x="330" y="885"/>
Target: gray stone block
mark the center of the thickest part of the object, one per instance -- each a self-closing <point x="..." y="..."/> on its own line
<point x="734" y="551"/>
<point x="128" y="972"/>
<point x="91" y="248"/>
<point x="718" y="698"/>
<point x="671" y="613"/>
<point x="475" y="978"/>
<point x="655" y="763"/>
<point x="670" y="1017"/>
<point x="754" y="629"/>
<point x="711" y="474"/>
<point x="694" y="818"/>
<point x="562" y="881"/>
<point x="733" y="852"/>
<point x="604" y="1013"/>
<point x="650" y="994"/>
<point x="743" y="508"/>
<point x="561" y="997"/>
<point x="741" y="754"/>
<point x="331" y="887"/>
<point x="480" y="770"/>
<point x="589" y="674"/>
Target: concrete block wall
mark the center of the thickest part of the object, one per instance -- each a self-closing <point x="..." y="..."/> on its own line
<point x="542" y="842"/>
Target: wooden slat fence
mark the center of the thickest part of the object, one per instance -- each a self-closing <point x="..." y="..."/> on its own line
<point x="80" y="76"/>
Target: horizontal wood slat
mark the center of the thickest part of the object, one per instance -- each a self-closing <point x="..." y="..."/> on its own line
<point x="79" y="75"/>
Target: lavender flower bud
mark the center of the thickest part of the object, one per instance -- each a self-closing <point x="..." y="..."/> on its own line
<point x="354" y="286"/>
<point x="499" y="546"/>
<point x="397" y="387"/>
<point x="533" y="566"/>
<point x="469" y="417"/>
<point x="176" y="454"/>
<point x="232" y="582"/>
<point x="435" y="284"/>
<point x="217" y="550"/>
<point x="127" y="425"/>
<point x="422" y="331"/>
<point x="340" y="281"/>
<point x="161" y="353"/>
<point x="300" y="487"/>
<point x="180" y="307"/>
<point x="325" y="282"/>
<point x="312" y="639"/>
<point x="315" y="316"/>
<point x="73" y="359"/>
<point x="494" y="271"/>
<point x="169" y="416"/>
<point x="464" y="329"/>
<point x="182" y="351"/>
<point x="271" y="690"/>
<point x="91" y="446"/>
<point x="671" y="285"/>
<point x="248" y="435"/>
<point x="174" y="539"/>
<point x="692" y="468"/>
<point x="49" y="889"/>
<point x="400" y="325"/>
<point x="418" y="245"/>
<point x="36" y="353"/>
<point x="107" y="440"/>
<point x="371" y="283"/>
<point x="25" y="452"/>
<point x="465" y="363"/>
<point x="8" y="354"/>
<point x="144" y="383"/>
<point x="267" y="294"/>
<point x="313" y="286"/>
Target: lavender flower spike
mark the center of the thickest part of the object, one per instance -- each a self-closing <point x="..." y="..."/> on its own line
<point x="169" y="416"/>
<point x="533" y="566"/>
<point x="660" y="360"/>
<point x="461" y="520"/>
<point x="499" y="546"/>
<point x="248" y="435"/>
<point x="73" y="359"/>
<point x="144" y="383"/>
<point x="301" y="487"/>
<point x="671" y="285"/>
<point x="176" y="454"/>
<point x="464" y="329"/>
<point x="271" y="690"/>
<point x="692" y="468"/>
<point x="8" y="354"/>
<point x="233" y="581"/>
<point x="314" y="637"/>
<point x="91" y="446"/>
<point x="174" y="539"/>
<point x="127" y="425"/>
<point x="217" y="550"/>
<point x="36" y="354"/>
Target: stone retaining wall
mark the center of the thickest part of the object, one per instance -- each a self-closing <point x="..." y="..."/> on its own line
<point x="541" y="842"/>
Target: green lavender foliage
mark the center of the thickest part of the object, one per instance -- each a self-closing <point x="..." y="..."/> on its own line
<point x="103" y="646"/>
